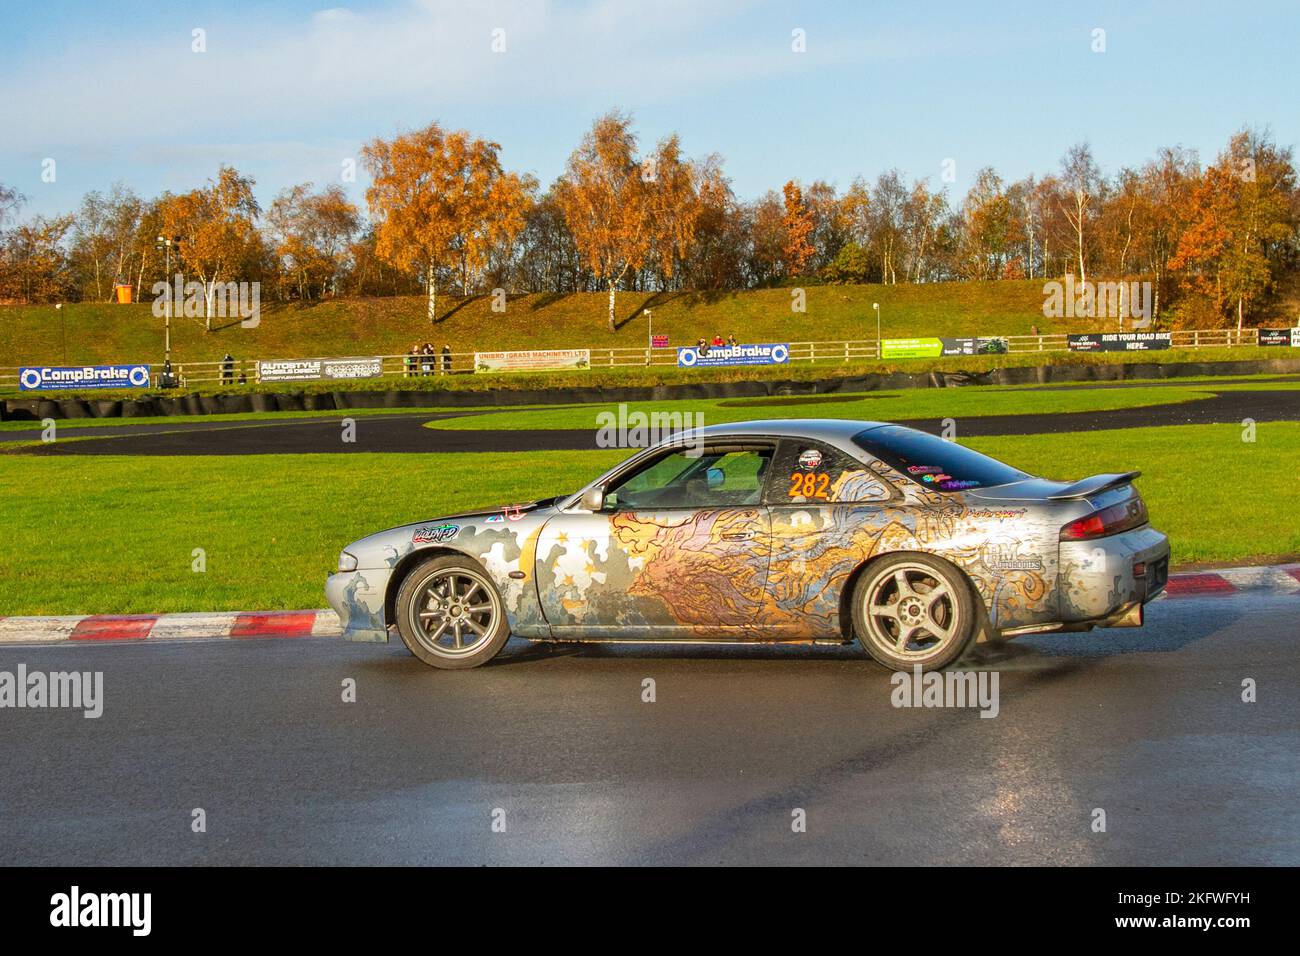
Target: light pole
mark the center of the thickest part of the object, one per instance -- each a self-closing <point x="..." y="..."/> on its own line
<point x="880" y="349"/>
<point x="167" y="322"/>
<point x="650" y="335"/>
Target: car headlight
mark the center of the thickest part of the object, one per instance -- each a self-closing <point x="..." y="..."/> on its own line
<point x="347" y="562"/>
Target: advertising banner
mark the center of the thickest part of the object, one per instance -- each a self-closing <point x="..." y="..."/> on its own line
<point x="659" y="341"/>
<point x="941" y="347"/>
<point x="309" y="370"/>
<point x="716" y="355"/>
<point x="1289" y="337"/>
<point x="540" y="360"/>
<point x="1119" y="341"/>
<point x="49" y="378"/>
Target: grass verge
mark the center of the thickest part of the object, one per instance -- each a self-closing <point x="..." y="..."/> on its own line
<point x="117" y="534"/>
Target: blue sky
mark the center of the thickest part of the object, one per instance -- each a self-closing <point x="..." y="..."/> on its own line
<point x="287" y="91"/>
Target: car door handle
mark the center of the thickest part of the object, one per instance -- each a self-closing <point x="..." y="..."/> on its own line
<point x="738" y="536"/>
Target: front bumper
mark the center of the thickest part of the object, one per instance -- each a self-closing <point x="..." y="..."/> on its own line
<point x="358" y="599"/>
<point x="1107" y="580"/>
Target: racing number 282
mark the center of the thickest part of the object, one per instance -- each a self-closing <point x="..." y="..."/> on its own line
<point x="809" y="485"/>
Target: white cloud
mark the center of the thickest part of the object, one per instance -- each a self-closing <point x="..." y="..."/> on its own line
<point x="402" y="65"/>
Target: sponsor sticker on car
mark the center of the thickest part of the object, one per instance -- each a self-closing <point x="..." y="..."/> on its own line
<point x="434" y="534"/>
<point x="810" y="459"/>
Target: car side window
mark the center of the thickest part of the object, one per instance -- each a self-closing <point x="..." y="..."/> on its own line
<point x="679" y="480"/>
<point x="808" y="472"/>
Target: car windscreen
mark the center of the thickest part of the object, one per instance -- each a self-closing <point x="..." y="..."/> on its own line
<point x="934" y="462"/>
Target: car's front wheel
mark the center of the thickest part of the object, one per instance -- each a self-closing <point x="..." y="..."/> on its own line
<point x="450" y="614"/>
<point x="913" y="608"/>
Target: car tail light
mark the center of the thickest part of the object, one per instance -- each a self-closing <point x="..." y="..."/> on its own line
<point x="1121" y="517"/>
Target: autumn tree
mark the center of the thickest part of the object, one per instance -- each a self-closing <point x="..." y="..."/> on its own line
<point x="36" y="267"/>
<point x="1080" y="182"/>
<point x="887" y="212"/>
<point x="923" y="213"/>
<point x="548" y="259"/>
<point x="312" y="234"/>
<point x="217" y="231"/>
<point x="765" y="222"/>
<point x="440" y="199"/>
<point x="797" y="225"/>
<point x="1241" y="216"/>
<point x="625" y="212"/>
<point x="991" y="229"/>
<point x="103" y="236"/>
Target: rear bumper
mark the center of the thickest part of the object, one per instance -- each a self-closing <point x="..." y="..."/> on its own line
<point x="1104" y="580"/>
<point x="358" y="599"/>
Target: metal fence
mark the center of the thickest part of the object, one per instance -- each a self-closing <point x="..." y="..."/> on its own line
<point x="191" y="374"/>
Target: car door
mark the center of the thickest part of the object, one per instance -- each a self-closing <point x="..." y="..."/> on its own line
<point x="678" y="550"/>
<point x="827" y="509"/>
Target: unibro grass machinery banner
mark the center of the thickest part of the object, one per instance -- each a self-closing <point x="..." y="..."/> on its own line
<point x="532" y="361"/>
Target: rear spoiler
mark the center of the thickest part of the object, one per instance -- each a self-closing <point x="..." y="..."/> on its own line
<point x="1093" y="485"/>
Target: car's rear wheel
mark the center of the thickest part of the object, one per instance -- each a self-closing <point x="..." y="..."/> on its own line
<point x="450" y="614"/>
<point x="911" y="609"/>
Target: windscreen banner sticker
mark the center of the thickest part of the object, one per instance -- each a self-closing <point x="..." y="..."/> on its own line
<point x="936" y="477"/>
<point x="49" y="378"/>
<point x="435" y="534"/>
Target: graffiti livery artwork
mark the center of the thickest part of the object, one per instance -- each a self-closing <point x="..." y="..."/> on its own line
<point x="770" y="535"/>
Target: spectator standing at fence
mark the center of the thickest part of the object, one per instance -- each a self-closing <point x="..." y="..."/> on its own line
<point x="446" y="358"/>
<point x="426" y="364"/>
<point x="1033" y="330"/>
<point x="717" y="339"/>
<point x="227" y="369"/>
<point x="410" y="360"/>
<point x="731" y="340"/>
<point x="702" y="347"/>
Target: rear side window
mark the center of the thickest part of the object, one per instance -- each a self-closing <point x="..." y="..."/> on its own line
<point x="806" y="472"/>
<point x="933" y="462"/>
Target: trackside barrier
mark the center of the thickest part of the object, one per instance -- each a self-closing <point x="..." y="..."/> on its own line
<point x="189" y="374"/>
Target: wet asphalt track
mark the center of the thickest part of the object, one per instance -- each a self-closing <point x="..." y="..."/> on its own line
<point x="1147" y="725"/>
<point x="404" y="432"/>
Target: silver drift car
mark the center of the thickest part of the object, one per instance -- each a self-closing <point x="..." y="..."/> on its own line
<point x="781" y="531"/>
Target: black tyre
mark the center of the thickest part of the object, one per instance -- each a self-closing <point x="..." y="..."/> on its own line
<point x="911" y="608"/>
<point x="450" y="615"/>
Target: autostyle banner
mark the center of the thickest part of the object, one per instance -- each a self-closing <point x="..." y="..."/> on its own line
<point x="537" y="360"/>
<point x="1289" y="337"/>
<point x="42" y="378"/>
<point x="717" y="355"/>
<point x="308" y="370"/>
<point x="941" y="347"/>
<point x="1119" y="341"/>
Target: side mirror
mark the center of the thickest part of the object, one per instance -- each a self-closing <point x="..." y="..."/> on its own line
<point x="715" y="477"/>
<point x="593" y="499"/>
